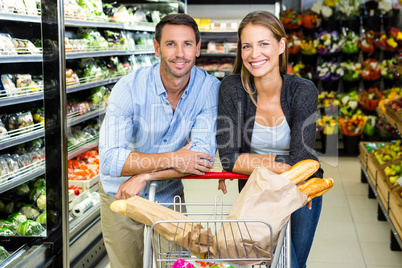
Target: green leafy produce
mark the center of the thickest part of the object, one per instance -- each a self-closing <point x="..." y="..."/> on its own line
<point x="30" y="228"/>
<point x="6" y="232"/>
<point x="35" y="193"/>
<point x="16" y="218"/>
<point x="41" y="201"/>
<point x="3" y="253"/>
<point x="9" y="225"/>
<point x="29" y="211"/>
<point x="39" y="183"/>
<point x="22" y="189"/>
<point x="41" y="218"/>
<point x="13" y="207"/>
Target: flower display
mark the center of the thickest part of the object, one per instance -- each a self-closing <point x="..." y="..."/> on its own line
<point x="352" y="125"/>
<point x="350" y="43"/>
<point x="370" y="70"/>
<point x="348" y="103"/>
<point x="386" y="71"/>
<point x="366" y="43"/>
<point x="309" y="47"/>
<point x="290" y="19"/>
<point x="392" y="41"/>
<point x="325" y="8"/>
<point x="311" y="19"/>
<point x="328" y="125"/>
<point x="294" y="42"/>
<point x="305" y="71"/>
<point x="369" y="99"/>
<point x="329" y="71"/>
<point x="351" y="70"/>
<point x="348" y="8"/>
<point x="329" y="42"/>
<point x="328" y="103"/>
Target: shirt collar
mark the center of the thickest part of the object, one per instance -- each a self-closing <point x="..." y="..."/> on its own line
<point x="160" y="89"/>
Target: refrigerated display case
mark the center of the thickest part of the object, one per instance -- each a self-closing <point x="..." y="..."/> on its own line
<point x="68" y="70"/>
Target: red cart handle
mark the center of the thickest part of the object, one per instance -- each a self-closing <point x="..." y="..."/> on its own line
<point x="217" y="175"/>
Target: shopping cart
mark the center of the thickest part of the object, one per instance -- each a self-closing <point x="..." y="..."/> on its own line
<point x="155" y="255"/>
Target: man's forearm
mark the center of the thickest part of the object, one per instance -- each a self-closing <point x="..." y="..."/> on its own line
<point x="138" y="163"/>
<point x="166" y="174"/>
<point x="246" y="163"/>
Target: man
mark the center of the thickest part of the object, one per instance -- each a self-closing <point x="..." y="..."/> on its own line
<point x="151" y="115"/>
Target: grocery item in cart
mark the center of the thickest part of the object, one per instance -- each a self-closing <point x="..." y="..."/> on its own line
<point x="189" y="235"/>
<point x="7" y="86"/>
<point x="268" y="197"/>
<point x="6" y="45"/>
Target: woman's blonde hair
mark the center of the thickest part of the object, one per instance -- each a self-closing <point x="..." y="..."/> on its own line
<point x="269" y="20"/>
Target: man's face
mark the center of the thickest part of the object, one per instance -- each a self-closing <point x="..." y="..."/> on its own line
<point x="177" y="50"/>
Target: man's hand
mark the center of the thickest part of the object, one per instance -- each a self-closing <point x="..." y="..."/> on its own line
<point x="133" y="186"/>
<point x="187" y="161"/>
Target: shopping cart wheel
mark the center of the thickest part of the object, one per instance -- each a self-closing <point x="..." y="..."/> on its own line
<point x="371" y="194"/>
<point x="380" y="214"/>
<point x="394" y="242"/>
<point x="363" y="178"/>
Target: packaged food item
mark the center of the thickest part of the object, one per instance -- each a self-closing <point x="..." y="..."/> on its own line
<point x="12" y="121"/>
<point x="12" y="164"/>
<point x="3" y="131"/>
<point x="4" y="170"/>
<point x="35" y="193"/>
<point x="22" y="190"/>
<point x="41" y="201"/>
<point x="6" y="232"/>
<point x="41" y="182"/>
<point x="30" y="7"/>
<point x="23" y="81"/>
<point x="3" y="253"/>
<point x="17" y="218"/>
<point x="30" y="227"/>
<point x="41" y="218"/>
<point x="38" y="115"/>
<point x="19" y="6"/>
<point x="7" y="86"/>
<point x="30" y="212"/>
<point x="25" y="120"/>
<point x="24" y="46"/>
<point x="6" y="45"/>
<point x="7" y="224"/>
<point x="34" y="157"/>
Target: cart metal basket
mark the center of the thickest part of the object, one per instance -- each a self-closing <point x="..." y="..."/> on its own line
<point x="161" y="253"/>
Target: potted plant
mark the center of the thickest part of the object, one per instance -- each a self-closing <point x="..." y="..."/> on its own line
<point x="329" y="73"/>
<point x="351" y="75"/>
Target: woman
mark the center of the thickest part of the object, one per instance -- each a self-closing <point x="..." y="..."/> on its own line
<point x="268" y="118"/>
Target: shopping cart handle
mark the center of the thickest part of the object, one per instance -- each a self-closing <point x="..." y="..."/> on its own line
<point x="217" y="175"/>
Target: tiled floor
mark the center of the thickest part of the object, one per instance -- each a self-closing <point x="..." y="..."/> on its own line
<point x="348" y="235"/>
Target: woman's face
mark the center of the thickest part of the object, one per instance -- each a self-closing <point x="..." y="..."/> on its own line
<point x="260" y="50"/>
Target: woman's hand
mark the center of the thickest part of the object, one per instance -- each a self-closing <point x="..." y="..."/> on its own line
<point x="133" y="186"/>
<point x="222" y="186"/>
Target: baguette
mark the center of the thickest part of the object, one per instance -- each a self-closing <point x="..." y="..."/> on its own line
<point x="316" y="187"/>
<point x="119" y="206"/>
<point x="301" y="171"/>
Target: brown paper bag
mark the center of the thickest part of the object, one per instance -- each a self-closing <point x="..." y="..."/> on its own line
<point x="191" y="236"/>
<point x="267" y="197"/>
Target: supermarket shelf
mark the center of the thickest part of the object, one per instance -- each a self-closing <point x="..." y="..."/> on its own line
<point x="384" y="210"/>
<point x="20" y="17"/>
<point x="77" y="224"/>
<point x="81" y="118"/>
<point x="30" y="173"/>
<point x="109" y="25"/>
<point x="79" y="55"/>
<point x="21" y="58"/>
<point x="83" y="149"/>
<point x="18" y="139"/>
<point x="79" y="87"/>
<point x="16" y="100"/>
<point x="232" y="55"/>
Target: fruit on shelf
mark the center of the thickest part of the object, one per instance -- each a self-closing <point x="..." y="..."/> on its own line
<point x="393" y="172"/>
<point x="389" y="152"/>
<point x="396" y="104"/>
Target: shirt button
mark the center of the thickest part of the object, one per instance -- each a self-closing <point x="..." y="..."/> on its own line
<point x="165" y="140"/>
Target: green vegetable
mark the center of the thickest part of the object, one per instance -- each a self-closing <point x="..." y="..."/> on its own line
<point x="3" y="253"/>
<point x="13" y="207"/>
<point x="41" y="218"/>
<point x="22" y="189"/>
<point x="29" y="211"/>
<point x="9" y="225"/>
<point x="35" y="193"/>
<point x="30" y="228"/>
<point x="16" y="218"/>
<point x="6" y="232"/>
<point x="39" y="183"/>
<point x="41" y="201"/>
